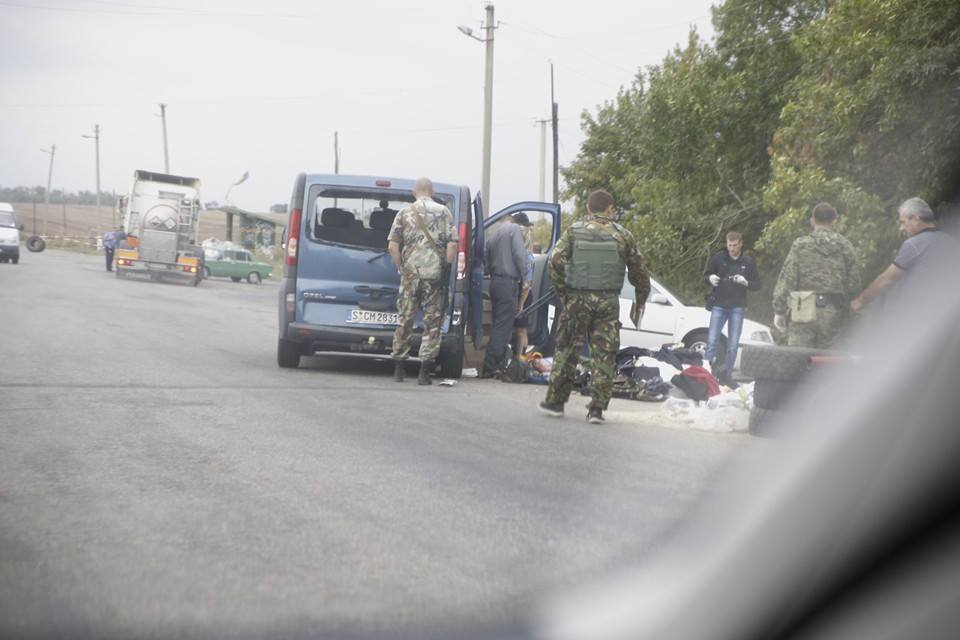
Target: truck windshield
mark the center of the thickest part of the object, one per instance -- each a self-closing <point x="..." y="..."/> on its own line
<point x="7" y="219"/>
<point x="359" y="218"/>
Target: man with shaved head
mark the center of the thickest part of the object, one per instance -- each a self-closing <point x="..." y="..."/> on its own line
<point x="422" y="242"/>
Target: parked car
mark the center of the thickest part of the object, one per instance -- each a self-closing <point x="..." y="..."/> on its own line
<point x="234" y="263"/>
<point x="339" y="288"/>
<point x="667" y="319"/>
<point x="9" y="234"/>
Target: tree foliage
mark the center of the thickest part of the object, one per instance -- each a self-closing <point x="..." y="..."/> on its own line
<point x="849" y="101"/>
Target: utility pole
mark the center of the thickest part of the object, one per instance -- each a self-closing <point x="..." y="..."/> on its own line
<point x="46" y="208"/>
<point x="556" y="143"/>
<point x="543" y="159"/>
<point x="336" y="152"/>
<point x="96" y="143"/>
<point x="488" y="28"/>
<point x="63" y="202"/>
<point x="166" y="154"/>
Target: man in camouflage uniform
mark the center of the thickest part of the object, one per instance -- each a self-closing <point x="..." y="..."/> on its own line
<point x="587" y="268"/>
<point x="422" y="242"/>
<point x="825" y="264"/>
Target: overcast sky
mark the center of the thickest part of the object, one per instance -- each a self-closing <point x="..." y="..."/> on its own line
<point x="262" y="86"/>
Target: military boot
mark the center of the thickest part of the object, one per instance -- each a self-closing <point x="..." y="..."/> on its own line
<point x="426" y="366"/>
<point x="399" y="371"/>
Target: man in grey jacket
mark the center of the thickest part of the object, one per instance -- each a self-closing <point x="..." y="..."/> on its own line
<point x="505" y="257"/>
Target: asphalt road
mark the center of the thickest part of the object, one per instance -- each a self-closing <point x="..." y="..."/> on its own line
<point x="160" y="476"/>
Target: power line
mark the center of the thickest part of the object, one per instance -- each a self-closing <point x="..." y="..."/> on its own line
<point x="155" y="11"/>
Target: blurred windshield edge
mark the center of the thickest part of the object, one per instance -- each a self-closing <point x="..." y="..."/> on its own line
<point x="873" y="463"/>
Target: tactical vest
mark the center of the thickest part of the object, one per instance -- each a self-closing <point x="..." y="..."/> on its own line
<point x="596" y="264"/>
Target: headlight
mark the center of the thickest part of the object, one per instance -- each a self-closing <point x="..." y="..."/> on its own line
<point x="761" y="336"/>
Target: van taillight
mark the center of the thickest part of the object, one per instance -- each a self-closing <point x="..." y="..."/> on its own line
<point x="462" y="253"/>
<point x="293" y="238"/>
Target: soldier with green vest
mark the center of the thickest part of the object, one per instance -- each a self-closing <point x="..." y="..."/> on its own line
<point x="818" y="279"/>
<point x="587" y="268"/>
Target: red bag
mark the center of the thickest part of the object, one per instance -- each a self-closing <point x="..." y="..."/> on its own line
<point x="704" y="377"/>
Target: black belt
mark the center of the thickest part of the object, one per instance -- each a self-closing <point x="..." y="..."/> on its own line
<point x="503" y="275"/>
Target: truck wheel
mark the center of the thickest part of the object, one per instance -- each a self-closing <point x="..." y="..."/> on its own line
<point x="236" y="278"/>
<point x="36" y="244"/>
<point x="288" y="354"/>
<point x="15" y="259"/>
<point x="253" y="277"/>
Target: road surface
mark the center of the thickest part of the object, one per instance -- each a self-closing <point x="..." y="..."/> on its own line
<point x="161" y="476"/>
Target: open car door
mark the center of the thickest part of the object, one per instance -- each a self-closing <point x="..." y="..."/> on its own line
<point x="544" y="234"/>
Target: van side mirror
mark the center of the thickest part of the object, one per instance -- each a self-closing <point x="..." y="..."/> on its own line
<point x="658" y="298"/>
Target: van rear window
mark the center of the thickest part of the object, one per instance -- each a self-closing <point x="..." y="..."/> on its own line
<point x="358" y="218"/>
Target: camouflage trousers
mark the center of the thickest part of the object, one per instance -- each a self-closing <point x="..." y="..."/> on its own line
<point x="415" y="294"/>
<point x="594" y="315"/>
<point x="818" y="334"/>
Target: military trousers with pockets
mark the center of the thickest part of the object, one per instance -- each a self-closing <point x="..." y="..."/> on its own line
<point x="818" y="334"/>
<point x="593" y="315"/>
<point x="416" y="293"/>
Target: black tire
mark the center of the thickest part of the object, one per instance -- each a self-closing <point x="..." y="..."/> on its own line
<point x="698" y="339"/>
<point x="763" y="421"/>
<point x="774" y="394"/>
<point x="236" y="278"/>
<point x="775" y="362"/>
<point x="206" y="273"/>
<point x="36" y="244"/>
<point x="451" y="360"/>
<point x="288" y="354"/>
<point x="253" y="278"/>
<point x="15" y="260"/>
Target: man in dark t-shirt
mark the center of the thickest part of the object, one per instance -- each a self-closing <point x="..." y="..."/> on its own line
<point x="926" y="250"/>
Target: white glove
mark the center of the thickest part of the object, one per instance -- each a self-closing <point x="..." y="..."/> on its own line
<point x="740" y="280"/>
<point x="780" y="322"/>
<point x="714" y="279"/>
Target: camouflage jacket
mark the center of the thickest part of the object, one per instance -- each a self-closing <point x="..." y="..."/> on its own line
<point x="823" y="261"/>
<point x="627" y="245"/>
<point x="419" y="258"/>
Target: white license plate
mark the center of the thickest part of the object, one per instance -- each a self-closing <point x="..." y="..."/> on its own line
<point x="361" y="316"/>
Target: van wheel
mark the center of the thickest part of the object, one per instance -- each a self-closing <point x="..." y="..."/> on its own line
<point x="451" y="360"/>
<point x="288" y="354"/>
<point x="236" y="278"/>
<point x="253" y="277"/>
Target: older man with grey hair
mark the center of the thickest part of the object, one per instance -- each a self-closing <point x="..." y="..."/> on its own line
<point x="925" y="249"/>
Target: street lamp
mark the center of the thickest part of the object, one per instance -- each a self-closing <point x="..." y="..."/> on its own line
<point x="489" y="28"/>
<point x="242" y="179"/>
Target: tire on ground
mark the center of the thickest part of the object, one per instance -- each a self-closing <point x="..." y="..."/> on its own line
<point x="236" y="278"/>
<point x="253" y="277"/>
<point x="288" y="354"/>
<point x="763" y="421"/>
<point x="36" y="244"/>
<point x="775" y="394"/>
<point x="771" y="362"/>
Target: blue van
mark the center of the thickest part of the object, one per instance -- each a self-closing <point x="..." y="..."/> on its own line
<point x="339" y="289"/>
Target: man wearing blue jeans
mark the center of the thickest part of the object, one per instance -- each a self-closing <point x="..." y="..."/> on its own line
<point x="730" y="273"/>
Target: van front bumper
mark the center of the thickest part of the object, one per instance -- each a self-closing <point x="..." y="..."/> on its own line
<point x="9" y="251"/>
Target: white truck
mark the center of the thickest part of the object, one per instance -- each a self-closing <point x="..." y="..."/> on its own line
<point x="160" y="218"/>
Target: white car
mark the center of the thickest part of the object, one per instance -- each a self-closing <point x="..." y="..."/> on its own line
<point x="667" y="320"/>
